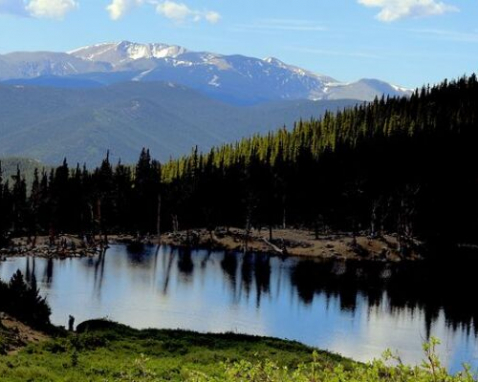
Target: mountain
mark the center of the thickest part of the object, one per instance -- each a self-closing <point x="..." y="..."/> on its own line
<point x="50" y="123"/>
<point x="35" y="64"/>
<point x="123" y="96"/>
<point x="234" y="79"/>
<point x="26" y="166"/>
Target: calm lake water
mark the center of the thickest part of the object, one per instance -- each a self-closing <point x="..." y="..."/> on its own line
<point x="357" y="310"/>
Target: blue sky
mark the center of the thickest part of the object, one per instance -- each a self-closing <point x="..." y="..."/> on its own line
<point x="406" y="42"/>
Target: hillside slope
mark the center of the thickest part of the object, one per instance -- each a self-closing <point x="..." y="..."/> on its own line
<point x="27" y="166"/>
<point x="49" y="124"/>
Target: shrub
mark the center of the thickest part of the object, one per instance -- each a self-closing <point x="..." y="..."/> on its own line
<point x="23" y="301"/>
<point x="431" y="370"/>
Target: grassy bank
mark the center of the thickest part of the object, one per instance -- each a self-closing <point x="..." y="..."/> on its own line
<point x="113" y="352"/>
<point x="104" y="351"/>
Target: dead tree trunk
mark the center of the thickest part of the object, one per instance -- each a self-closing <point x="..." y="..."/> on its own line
<point x="405" y="217"/>
<point x="246" y="235"/>
<point x="175" y="223"/>
<point x="158" y="219"/>
<point x="374" y="219"/>
<point x="99" y="221"/>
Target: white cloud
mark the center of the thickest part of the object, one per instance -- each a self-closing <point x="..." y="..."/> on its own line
<point x="212" y="17"/>
<point x="180" y="12"/>
<point x="174" y="11"/>
<point x="118" y="8"/>
<point x="392" y="10"/>
<point x="54" y="9"/>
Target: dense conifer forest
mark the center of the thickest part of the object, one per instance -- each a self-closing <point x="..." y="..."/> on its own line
<point x="401" y="165"/>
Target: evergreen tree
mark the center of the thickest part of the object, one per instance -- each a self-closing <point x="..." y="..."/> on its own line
<point x="397" y="165"/>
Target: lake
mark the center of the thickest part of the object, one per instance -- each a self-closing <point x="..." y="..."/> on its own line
<point x="357" y="310"/>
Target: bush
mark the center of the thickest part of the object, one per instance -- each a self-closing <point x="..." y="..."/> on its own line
<point x="23" y="301"/>
<point x="430" y="370"/>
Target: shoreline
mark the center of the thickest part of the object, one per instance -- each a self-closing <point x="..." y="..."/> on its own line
<point x="284" y="243"/>
<point x="297" y="243"/>
<point x="62" y="246"/>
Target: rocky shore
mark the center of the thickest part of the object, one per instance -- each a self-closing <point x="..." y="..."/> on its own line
<point x="298" y="242"/>
<point x="284" y="242"/>
<point x="62" y="246"/>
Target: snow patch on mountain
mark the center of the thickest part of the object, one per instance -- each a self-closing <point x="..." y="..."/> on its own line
<point x="215" y="81"/>
<point x="295" y="69"/>
<point x="401" y="89"/>
<point x="118" y="52"/>
<point x="140" y="76"/>
<point x="232" y="78"/>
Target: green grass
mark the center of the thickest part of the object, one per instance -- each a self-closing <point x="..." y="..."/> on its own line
<point x="115" y="352"/>
<point x="105" y="351"/>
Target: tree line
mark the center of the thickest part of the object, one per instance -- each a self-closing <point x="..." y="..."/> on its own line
<point x="399" y="165"/>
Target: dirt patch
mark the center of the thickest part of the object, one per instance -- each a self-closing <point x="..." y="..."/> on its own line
<point x="14" y="335"/>
<point x="296" y="242"/>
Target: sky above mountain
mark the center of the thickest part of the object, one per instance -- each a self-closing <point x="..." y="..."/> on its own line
<point x="406" y="42"/>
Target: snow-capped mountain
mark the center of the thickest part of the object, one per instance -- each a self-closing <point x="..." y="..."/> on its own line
<point x="233" y="78"/>
<point x="119" y="53"/>
<point x="23" y="65"/>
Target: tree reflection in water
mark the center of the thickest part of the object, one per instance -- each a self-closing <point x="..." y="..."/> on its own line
<point x="429" y="286"/>
<point x="428" y="289"/>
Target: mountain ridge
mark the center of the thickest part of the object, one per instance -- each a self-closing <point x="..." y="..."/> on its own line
<point x="236" y="79"/>
<point x="84" y="123"/>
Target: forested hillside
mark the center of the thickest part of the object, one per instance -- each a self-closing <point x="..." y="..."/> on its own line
<point x="399" y="165"/>
<point x="82" y="124"/>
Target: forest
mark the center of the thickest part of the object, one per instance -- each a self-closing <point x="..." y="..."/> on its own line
<point x="405" y="166"/>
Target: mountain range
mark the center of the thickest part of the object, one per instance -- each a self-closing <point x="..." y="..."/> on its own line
<point x="125" y="96"/>
<point x="230" y="78"/>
